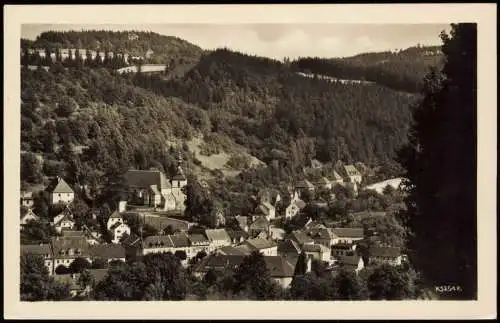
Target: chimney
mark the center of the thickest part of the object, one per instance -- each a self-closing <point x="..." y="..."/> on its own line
<point x="122" y="206"/>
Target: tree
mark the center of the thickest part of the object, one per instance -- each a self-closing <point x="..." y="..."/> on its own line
<point x="99" y="263"/>
<point x="181" y="254"/>
<point x="386" y="282"/>
<point x="440" y="165"/>
<point x="210" y="277"/>
<point x="36" y="284"/>
<point x="253" y="276"/>
<point x="86" y="279"/>
<point x="79" y="265"/>
<point x="31" y="168"/>
<point x="37" y="232"/>
<point x="166" y="269"/>
<point x="347" y="286"/>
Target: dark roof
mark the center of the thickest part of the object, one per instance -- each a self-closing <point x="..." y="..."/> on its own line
<point x="237" y="234"/>
<point x="107" y="251"/>
<point x="230" y="250"/>
<point x="59" y="185"/>
<point x="60" y="244"/>
<point x="115" y="225"/>
<point x="146" y="178"/>
<point x="260" y="223"/>
<point x="158" y="241"/>
<point x="348" y="232"/>
<point x="198" y="238"/>
<point x="301" y="237"/>
<point x="180" y="240"/>
<point x="352" y="260"/>
<point x="279" y="266"/>
<point x="288" y="246"/>
<point x="36" y="249"/>
<point x="260" y="244"/>
<point x="380" y="251"/>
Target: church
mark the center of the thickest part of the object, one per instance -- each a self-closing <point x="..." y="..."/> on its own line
<point x="151" y="188"/>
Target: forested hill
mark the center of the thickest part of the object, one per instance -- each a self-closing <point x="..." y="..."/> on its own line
<point x="400" y="70"/>
<point x="159" y="48"/>
<point x="264" y="105"/>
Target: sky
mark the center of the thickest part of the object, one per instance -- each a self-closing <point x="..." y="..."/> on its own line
<point x="282" y="40"/>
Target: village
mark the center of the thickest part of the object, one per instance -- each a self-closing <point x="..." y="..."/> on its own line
<point x="156" y="201"/>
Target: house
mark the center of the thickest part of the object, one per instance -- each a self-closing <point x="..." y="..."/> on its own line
<point x="157" y="244"/>
<point x="118" y="230"/>
<point x="281" y="269"/>
<point x="294" y="208"/>
<point x="288" y="249"/>
<point x="237" y="236"/>
<point x="342" y="249"/>
<point x="351" y="262"/>
<point x="276" y="233"/>
<point x="63" y="221"/>
<point x="265" y="246"/>
<point x="66" y="250"/>
<point x="160" y="223"/>
<point x="324" y="183"/>
<point x="352" y="174"/>
<point x="113" y="219"/>
<point x="260" y="224"/>
<point x="337" y="179"/>
<point x="182" y="243"/>
<point x="383" y="254"/>
<point x="304" y="185"/>
<point x="198" y="243"/>
<point x="243" y="222"/>
<point x="267" y="210"/>
<point x="300" y="237"/>
<point x="42" y="250"/>
<point x="322" y="236"/>
<point x="108" y="252"/>
<point x="151" y="188"/>
<point x="347" y="235"/>
<point x="232" y="251"/>
<point x="218" y="238"/>
<point x="27" y="199"/>
<point x="317" y="251"/>
<point x="73" y="280"/>
<point x="28" y="215"/>
<point x="60" y="192"/>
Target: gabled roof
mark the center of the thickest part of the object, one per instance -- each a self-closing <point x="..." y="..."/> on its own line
<point x="107" y="251"/>
<point x="158" y="242"/>
<point x="315" y="248"/>
<point x="180" y="240"/>
<point x="301" y="237"/>
<point x="336" y="176"/>
<point x="64" y="216"/>
<point x="279" y="266"/>
<point x="115" y="215"/>
<point x="320" y="233"/>
<point x="60" y="246"/>
<point x="28" y="212"/>
<point x="304" y="184"/>
<point x="323" y="181"/>
<point x="381" y="251"/>
<point x="348" y="232"/>
<point x="288" y="246"/>
<point x="259" y="223"/>
<point x="315" y="225"/>
<point x="198" y="238"/>
<point x="230" y="250"/>
<point x="36" y="249"/>
<point x="242" y="220"/>
<point x="259" y="244"/>
<point x="146" y="178"/>
<point x="59" y="185"/>
<point x="217" y="234"/>
<point x="352" y="260"/>
<point x="237" y="234"/>
<point x="351" y="170"/>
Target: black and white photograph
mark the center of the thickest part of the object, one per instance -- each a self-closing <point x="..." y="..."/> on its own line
<point x="255" y="161"/>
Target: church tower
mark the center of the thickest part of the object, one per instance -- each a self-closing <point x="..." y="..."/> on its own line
<point x="179" y="180"/>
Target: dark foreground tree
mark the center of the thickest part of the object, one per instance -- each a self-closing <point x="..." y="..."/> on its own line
<point x="440" y="163"/>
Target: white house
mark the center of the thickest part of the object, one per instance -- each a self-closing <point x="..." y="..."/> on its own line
<point x="27" y="215"/>
<point x="294" y="208"/>
<point x="347" y="235"/>
<point x="63" y="221"/>
<point x="60" y="192"/>
<point x="119" y="229"/>
<point x="114" y="218"/>
<point x="353" y="174"/>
